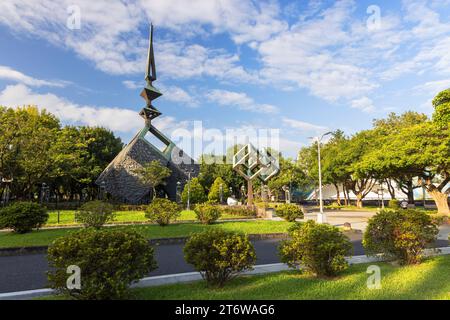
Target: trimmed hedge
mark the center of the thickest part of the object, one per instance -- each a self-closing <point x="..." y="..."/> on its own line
<point x="109" y="261"/>
<point x="219" y="255"/>
<point x="320" y="248"/>
<point x="162" y="211"/>
<point x="23" y="217"/>
<point x="400" y="235"/>
<point x="95" y="214"/>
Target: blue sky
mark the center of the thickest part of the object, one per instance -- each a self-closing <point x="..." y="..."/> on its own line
<point x="303" y="67"/>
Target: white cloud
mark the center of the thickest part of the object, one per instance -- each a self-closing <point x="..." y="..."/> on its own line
<point x="365" y="104"/>
<point x="434" y="87"/>
<point x="10" y="74"/>
<point x="132" y="85"/>
<point x="179" y="95"/>
<point x="308" y="55"/>
<point x="327" y="51"/>
<point x="303" y="126"/>
<point x="116" y="119"/>
<point x="240" y="100"/>
<point x="114" y="43"/>
<point x="246" y="21"/>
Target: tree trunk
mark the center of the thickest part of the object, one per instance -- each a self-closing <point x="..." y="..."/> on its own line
<point x="391" y="188"/>
<point x="346" y="196"/>
<point x="441" y="200"/>
<point x="410" y="195"/>
<point x="338" y="196"/>
<point x="359" y="202"/>
<point x="250" y="194"/>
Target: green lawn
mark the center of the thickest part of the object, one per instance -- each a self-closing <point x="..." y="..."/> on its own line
<point x="45" y="237"/>
<point x="67" y="217"/>
<point x="430" y="280"/>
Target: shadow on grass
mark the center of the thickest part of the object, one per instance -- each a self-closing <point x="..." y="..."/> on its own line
<point x="430" y="280"/>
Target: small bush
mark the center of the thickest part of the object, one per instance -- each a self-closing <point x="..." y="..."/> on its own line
<point x="95" y="214"/>
<point x="219" y="255"/>
<point x="109" y="262"/>
<point x="289" y="212"/>
<point x="394" y="204"/>
<point x="22" y="217"/>
<point x="320" y="248"/>
<point x="334" y="206"/>
<point x="207" y="213"/>
<point x="400" y="235"/>
<point x="162" y="211"/>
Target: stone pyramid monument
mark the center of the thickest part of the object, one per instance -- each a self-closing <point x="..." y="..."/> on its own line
<point x="120" y="179"/>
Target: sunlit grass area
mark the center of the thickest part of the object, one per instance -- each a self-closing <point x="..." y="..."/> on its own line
<point x="429" y="280"/>
<point x="45" y="237"/>
<point x="67" y="217"/>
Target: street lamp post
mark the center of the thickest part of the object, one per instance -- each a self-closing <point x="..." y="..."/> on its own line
<point x="243" y="193"/>
<point x="102" y="192"/>
<point x="44" y="190"/>
<point x="221" y="193"/>
<point x="178" y="193"/>
<point x="189" y="172"/>
<point x="321" y="218"/>
<point x="287" y="195"/>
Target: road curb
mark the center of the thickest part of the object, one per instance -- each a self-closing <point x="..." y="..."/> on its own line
<point x="195" y="276"/>
<point x="155" y="242"/>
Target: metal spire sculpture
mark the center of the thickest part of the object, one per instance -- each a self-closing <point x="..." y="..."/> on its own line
<point x="150" y="93"/>
<point x="119" y="178"/>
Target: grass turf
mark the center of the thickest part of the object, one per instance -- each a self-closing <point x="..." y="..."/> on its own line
<point x="429" y="280"/>
<point x="67" y="217"/>
<point x="45" y="237"/>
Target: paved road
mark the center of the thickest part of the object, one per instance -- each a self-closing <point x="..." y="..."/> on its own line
<point x="27" y="272"/>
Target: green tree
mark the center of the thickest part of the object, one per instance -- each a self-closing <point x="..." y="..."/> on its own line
<point x="37" y="131"/>
<point x="361" y="180"/>
<point x="389" y="161"/>
<point x="214" y="193"/>
<point x="153" y="174"/>
<point x="428" y="146"/>
<point x="79" y="155"/>
<point x="194" y="190"/>
<point x="334" y="166"/>
<point x="441" y="104"/>
<point x="290" y="175"/>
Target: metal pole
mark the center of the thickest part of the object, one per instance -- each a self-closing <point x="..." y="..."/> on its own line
<point x="189" y="192"/>
<point x="320" y="216"/>
<point x="57" y="208"/>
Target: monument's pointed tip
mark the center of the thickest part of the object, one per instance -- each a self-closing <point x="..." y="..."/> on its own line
<point x="150" y="74"/>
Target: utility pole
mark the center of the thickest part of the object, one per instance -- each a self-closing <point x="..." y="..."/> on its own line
<point x="321" y="218"/>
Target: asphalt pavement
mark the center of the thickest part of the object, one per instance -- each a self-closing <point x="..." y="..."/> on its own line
<point x="28" y="272"/>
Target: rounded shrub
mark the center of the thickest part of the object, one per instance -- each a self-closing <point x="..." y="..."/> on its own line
<point x="196" y="194"/>
<point x="214" y="193"/>
<point x="394" y="204"/>
<point x="320" y="248"/>
<point x="23" y="217"/>
<point x="109" y="261"/>
<point x="162" y="211"/>
<point x="95" y="214"/>
<point x="400" y="235"/>
<point x="289" y="212"/>
<point x="207" y="213"/>
<point x="219" y="255"/>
